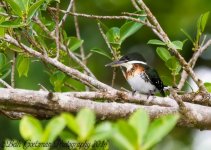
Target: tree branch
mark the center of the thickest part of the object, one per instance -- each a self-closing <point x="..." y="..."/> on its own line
<point x="75" y="74"/>
<point x="156" y="28"/>
<point x="105" y="17"/>
<point x="63" y="47"/>
<point x="166" y="39"/>
<point x="192" y="63"/>
<point x="44" y="104"/>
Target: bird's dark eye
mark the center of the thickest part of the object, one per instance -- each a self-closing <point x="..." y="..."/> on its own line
<point x="127" y="58"/>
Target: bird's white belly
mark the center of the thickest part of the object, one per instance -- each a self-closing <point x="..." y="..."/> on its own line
<point x="140" y="85"/>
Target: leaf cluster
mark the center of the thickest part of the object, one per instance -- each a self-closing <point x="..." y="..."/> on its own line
<point x="135" y="133"/>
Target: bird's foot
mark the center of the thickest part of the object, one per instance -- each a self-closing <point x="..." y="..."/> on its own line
<point x="133" y="92"/>
<point x="151" y="93"/>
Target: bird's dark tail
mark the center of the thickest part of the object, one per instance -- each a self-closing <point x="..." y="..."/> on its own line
<point x="164" y="89"/>
<point x="162" y="93"/>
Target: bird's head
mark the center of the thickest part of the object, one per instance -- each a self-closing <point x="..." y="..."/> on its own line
<point x="128" y="61"/>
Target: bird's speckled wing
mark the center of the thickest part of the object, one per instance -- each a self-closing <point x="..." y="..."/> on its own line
<point x="155" y="79"/>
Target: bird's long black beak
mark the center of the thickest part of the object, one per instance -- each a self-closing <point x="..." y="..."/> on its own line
<point x="115" y="63"/>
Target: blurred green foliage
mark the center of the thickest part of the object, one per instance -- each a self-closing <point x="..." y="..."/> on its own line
<point x="137" y="133"/>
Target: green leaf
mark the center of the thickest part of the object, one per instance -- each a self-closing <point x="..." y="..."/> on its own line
<point x="34" y="8"/>
<point x="208" y="86"/>
<point x="101" y="52"/>
<point x="159" y="128"/>
<point x="128" y="29"/>
<point x="163" y="53"/>
<point x="203" y="20"/>
<point x="3" y="60"/>
<point x="167" y="80"/>
<point x="113" y="35"/>
<point x="68" y="137"/>
<point x="41" y="40"/>
<point x="102" y="131"/>
<point x="85" y="120"/>
<point x="23" y="4"/>
<point x="187" y="35"/>
<point x="26" y="4"/>
<point x="30" y="128"/>
<point x="53" y="129"/>
<point x="139" y="121"/>
<point x="124" y="136"/>
<point x="201" y="23"/>
<point x="178" y="45"/>
<point x="2" y="30"/>
<point x="74" y="43"/>
<point x="57" y="80"/>
<point x="76" y="84"/>
<point x="71" y="122"/>
<point x="12" y="24"/>
<point x="5" y="66"/>
<point x="23" y="65"/>
<point x="156" y="42"/>
<point x="173" y="65"/>
<point x="15" y="7"/>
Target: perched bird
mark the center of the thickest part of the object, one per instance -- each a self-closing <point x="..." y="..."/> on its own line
<point x="141" y="77"/>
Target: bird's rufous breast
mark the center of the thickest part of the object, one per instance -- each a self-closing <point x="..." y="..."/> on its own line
<point x="136" y="69"/>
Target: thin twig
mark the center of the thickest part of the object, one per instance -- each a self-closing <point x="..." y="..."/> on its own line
<point x="42" y="87"/>
<point x="55" y="34"/>
<point x="70" y="86"/>
<point x="135" y="5"/>
<point x="204" y="39"/>
<point x="33" y="42"/>
<point x="7" y="15"/>
<point x="105" y="17"/>
<point x="110" y="48"/>
<point x="77" y="29"/>
<point x="5" y="84"/>
<point x="106" y="40"/>
<point x="192" y="63"/>
<point x="63" y="47"/>
<point x="178" y="99"/>
<point x="13" y="69"/>
<point x="113" y="76"/>
<point x="88" y="55"/>
<point x="125" y="90"/>
<point x="66" y="14"/>
<point x="132" y="14"/>
<point x="57" y="31"/>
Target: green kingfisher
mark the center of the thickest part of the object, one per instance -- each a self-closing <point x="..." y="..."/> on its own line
<point x="141" y="77"/>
